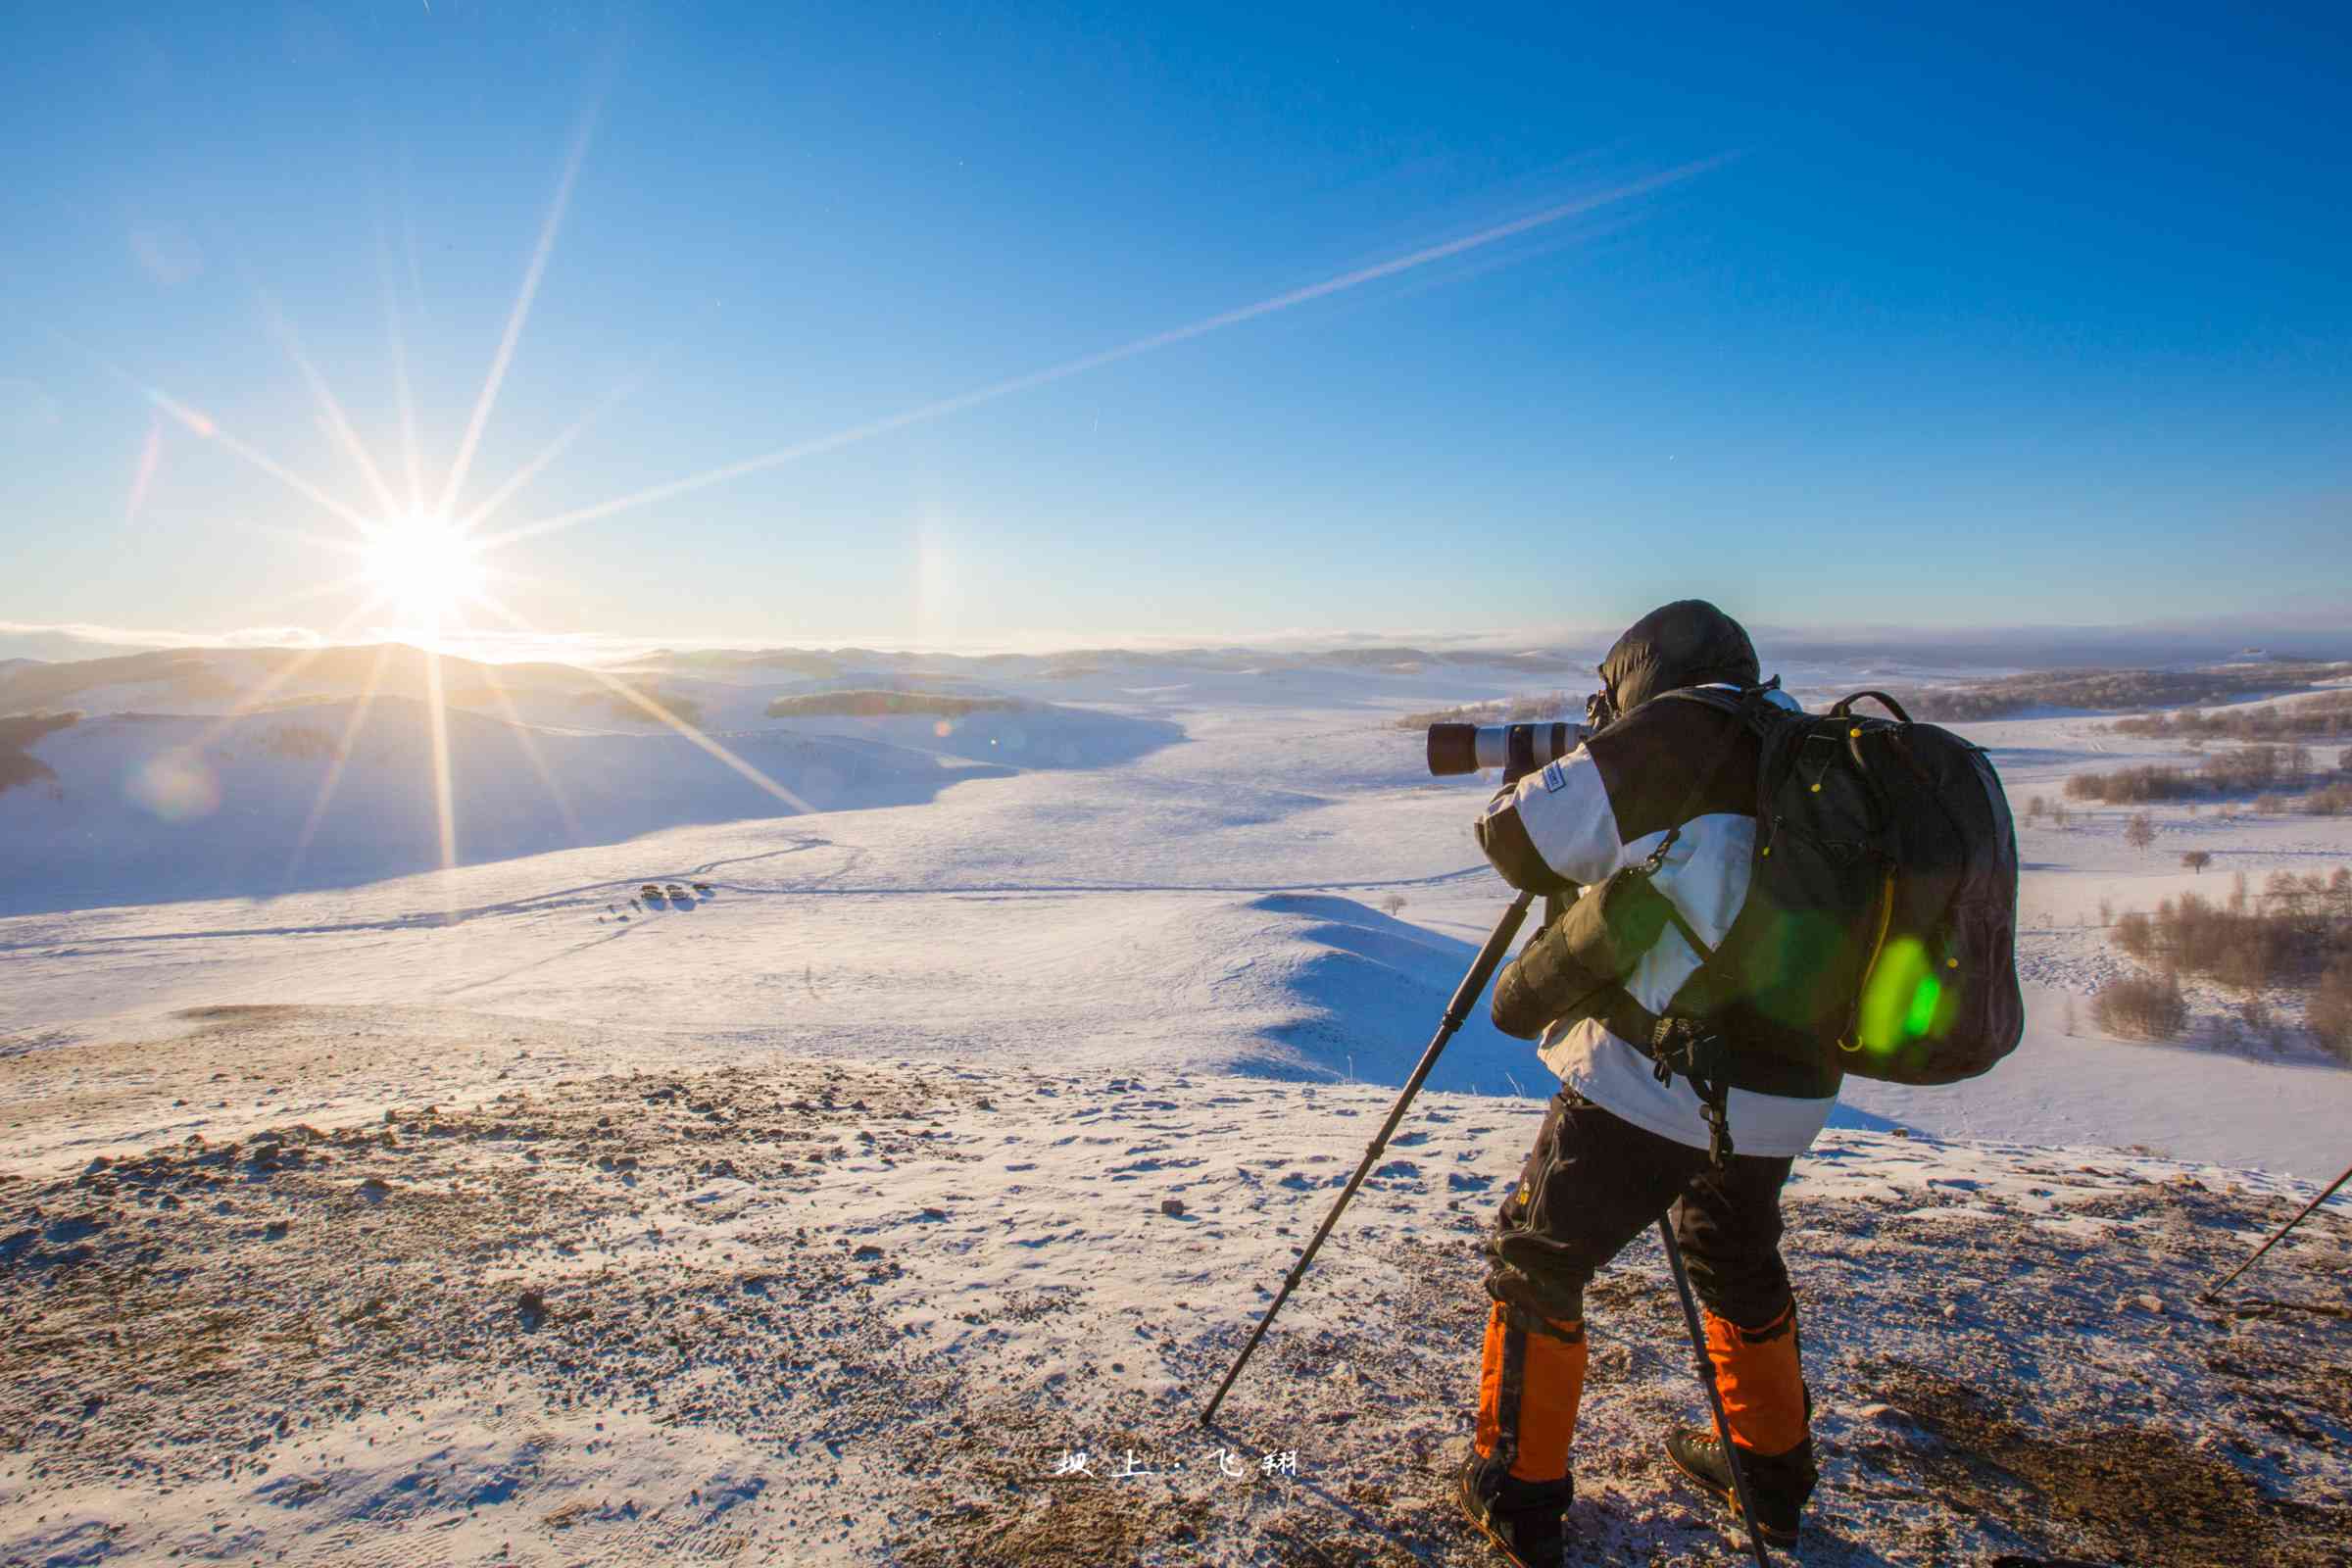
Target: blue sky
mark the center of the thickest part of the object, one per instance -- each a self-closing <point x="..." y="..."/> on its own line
<point x="2005" y="316"/>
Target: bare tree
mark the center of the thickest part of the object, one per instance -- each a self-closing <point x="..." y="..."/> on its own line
<point x="2198" y="860"/>
<point x="2141" y="1007"/>
<point x="2140" y="831"/>
<point x="1392" y="904"/>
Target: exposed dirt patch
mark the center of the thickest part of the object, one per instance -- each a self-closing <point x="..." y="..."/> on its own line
<point x="2120" y="1494"/>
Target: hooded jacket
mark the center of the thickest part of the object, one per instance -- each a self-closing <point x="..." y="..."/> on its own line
<point x="1609" y="804"/>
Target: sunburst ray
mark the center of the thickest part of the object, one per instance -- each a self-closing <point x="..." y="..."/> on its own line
<point x="445" y="814"/>
<point x="341" y="759"/>
<point x="546" y="455"/>
<point x="516" y="318"/>
<point x="412" y="467"/>
<point x="691" y="733"/>
<point x="338" y="423"/>
<point x="530" y="750"/>
<point x="202" y="424"/>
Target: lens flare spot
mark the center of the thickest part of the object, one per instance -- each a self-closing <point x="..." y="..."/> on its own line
<point x="1922" y="1016"/>
<point x="176" y="786"/>
<point x="1891" y="1016"/>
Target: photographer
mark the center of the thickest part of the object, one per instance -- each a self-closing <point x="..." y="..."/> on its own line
<point x="1673" y="786"/>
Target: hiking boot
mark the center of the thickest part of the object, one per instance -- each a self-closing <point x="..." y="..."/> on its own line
<point x="1777" y="1484"/>
<point x="1525" y="1519"/>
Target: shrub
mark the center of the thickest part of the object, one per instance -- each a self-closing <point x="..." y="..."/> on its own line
<point x="2330" y="1012"/>
<point x="1501" y="711"/>
<point x="635" y="709"/>
<point x="2141" y="1007"/>
<point x="2128" y="689"/>
<point x="2131" y="784"/>
<point x="2333" y="801"/>
<point x="2296" y="928"/>
<point x="2261" y="1025"/>
<point x="18" y="765"/>
<point x="2136" y="934"/>
<point x="2247" y="768"/>
<point x="2326" y="714"/>
<point x="2035" y="806"/>
<point x="2198" y="860"/>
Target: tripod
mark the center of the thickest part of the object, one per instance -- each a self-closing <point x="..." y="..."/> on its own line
<point x="1465" y="995"/>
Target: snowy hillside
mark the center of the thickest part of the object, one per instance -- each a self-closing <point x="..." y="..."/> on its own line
<point x="615" y="1298"/>
<point x="484" y="1213"/>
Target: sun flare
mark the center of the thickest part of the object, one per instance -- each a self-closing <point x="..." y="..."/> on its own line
<point x="425" y="565"/>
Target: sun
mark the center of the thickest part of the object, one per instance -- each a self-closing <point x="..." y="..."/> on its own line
<point x="424" y="565"/>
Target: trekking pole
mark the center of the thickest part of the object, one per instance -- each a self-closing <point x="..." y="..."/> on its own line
<point x="2277" y="1236"/>
<point x="1481" y="969"/>
<point x="1707" y="1376"/>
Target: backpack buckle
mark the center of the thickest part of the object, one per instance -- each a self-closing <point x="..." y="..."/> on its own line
<point x="1702" y="1056"/>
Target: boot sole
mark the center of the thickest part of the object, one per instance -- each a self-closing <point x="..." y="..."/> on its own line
<point x="1730" y="1503"/>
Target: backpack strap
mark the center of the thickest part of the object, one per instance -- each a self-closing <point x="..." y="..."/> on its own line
<point x="1844" y="706"/>
<point x="1677" y="1044"/>
<point x="1738" y="707"/>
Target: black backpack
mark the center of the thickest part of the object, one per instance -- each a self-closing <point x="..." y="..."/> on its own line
<point x="1881" y="918"/>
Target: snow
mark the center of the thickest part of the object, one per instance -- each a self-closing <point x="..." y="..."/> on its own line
<point x="985" y="1014"/>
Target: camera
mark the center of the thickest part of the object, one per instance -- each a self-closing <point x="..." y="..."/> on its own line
<point x="1517" y="749"/>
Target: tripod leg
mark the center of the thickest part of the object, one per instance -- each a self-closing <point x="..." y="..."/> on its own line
<point x="1707" y="1376"/>
<point x="2277" y="1236"/>
<point x="1481" y="969"/>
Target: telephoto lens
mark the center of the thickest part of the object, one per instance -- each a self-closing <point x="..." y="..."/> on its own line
<point x="1517" y="749"/>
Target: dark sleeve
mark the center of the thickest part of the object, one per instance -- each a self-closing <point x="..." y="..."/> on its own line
<point x="1543" y="983"/>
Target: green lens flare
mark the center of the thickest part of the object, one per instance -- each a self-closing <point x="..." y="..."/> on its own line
<point x="1901" y="999"/>
<point x="1922" y="1016"/>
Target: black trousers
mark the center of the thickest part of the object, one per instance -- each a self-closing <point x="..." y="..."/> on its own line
<point x="1594" y="1182"/>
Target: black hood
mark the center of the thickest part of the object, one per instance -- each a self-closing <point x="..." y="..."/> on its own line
<point x="1687" y="643"/>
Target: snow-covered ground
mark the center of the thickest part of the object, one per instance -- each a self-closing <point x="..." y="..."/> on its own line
<point x="982" y="1015"/>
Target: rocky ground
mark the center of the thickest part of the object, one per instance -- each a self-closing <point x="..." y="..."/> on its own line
<point x="711" y="1309"/>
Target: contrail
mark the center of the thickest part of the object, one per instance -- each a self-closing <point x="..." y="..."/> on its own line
<point x="1125" y="350"/>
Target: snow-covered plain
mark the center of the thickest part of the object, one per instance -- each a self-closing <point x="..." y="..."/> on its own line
<point x="836" y="1191"/>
